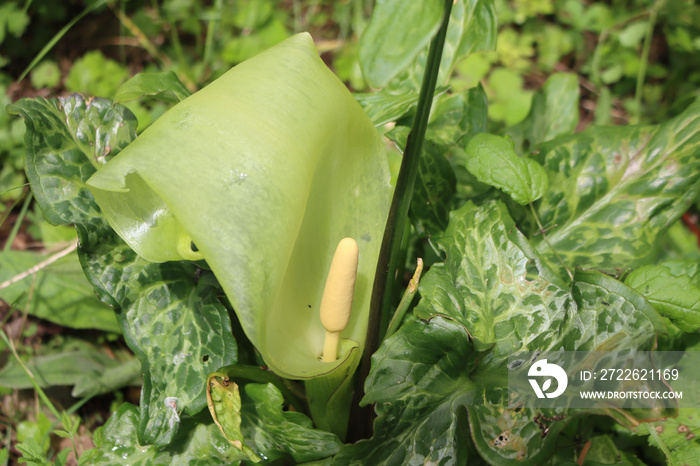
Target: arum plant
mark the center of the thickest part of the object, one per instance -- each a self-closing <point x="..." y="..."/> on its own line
<point x="262" y="174"/>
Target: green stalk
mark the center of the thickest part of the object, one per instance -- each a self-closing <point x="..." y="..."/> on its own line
<point x="211" y="29"/>
<point x="641" y="75"/>
<point x="18" y="223"/>
<point x="36" y="386"/>
<point x="47" y="48"/>
<point x="388" y="264"/>
<point x="406" y="300"/>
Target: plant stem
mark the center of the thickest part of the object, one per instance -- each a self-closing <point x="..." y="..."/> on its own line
<point x="50" y="44"/>
<point x="18" y="223"/>
<point x="641" y="75"/>
<point x="406" y="300"/>
<point x="388" y="264"/>
<point x="211" y="29"/>
<point x="36" y="386"/>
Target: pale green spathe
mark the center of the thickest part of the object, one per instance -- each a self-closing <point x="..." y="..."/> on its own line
<point x="265" y="170"/>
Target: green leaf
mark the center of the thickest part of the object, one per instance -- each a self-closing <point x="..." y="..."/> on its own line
<point x="554" y="111"/>
<point x="493" y="161"/>
<point x="633" y="34"/>
<point x="472" y="28"/>
<point x="681" y="435"/>
<point x="163" y="86"/>
<point x="688" y="267"/>
<point x="496" y="285"/>
<point x="613" y="191"/>
<point x="390" y="105"/>
<point x="108" y="379"/>
<point x="32" y="453"/>
<point x="268" y="168"/>
<point x="95" y="75"/>
<point x="59" y="292"/>
<point x="116" y="441"/>
<point x="604" y="451"/>
<point x="267" y="429"/>
<point x="385" y="106"/>
<point x="66" y="139"/>
<point x="492" y="293"/>
<point x="197" y="444"/>
<point x="432" y="195"/>
<point x="419" y="380"/>
<point x="13" y="20"/>
<point x="36" y="433"/>
<point x="423" y="380"/>
<point x="508" y="436"/>
<point x="455" y="115"/>
<point x="172" y="321"/>
<point x="611" y="315"/>
<point x="397" y="33"/>
<point x="484" y="283"/>
<point x="672" y="295"/>
<point x="276" y="431"/>
<point x="224" y="400"/>
<point x="70" y="423"/>
<point x="435" y="184"/>
<point x="62" y="457"/>
<point x="46" y="74"/>
<point x="71" y="367"/>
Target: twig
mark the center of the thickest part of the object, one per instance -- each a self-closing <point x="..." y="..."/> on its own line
<point x="41" y="265"/>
